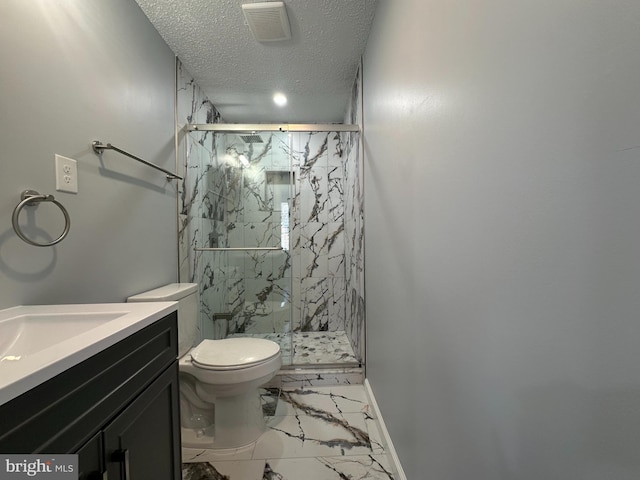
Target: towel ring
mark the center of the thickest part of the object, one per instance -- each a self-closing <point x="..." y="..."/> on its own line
<point x="31" y="198"/>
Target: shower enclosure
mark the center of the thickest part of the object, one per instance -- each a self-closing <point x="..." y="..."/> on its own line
<point x="273" y="218"/>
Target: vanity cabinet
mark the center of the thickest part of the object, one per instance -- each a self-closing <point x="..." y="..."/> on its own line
<point x="118" y="410"/>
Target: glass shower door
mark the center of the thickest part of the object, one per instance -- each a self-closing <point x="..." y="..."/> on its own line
<point x="275" y="225"/>
<point x="241" y="241"/>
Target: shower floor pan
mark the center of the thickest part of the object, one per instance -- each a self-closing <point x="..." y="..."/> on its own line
<point x="312" y="348"/>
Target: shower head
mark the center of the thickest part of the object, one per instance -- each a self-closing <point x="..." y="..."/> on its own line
<point x="253" y="138"/>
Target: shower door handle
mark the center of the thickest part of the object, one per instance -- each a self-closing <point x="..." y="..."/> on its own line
<point x="235" y="249"/>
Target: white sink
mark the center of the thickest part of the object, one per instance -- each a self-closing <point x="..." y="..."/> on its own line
<point x="31" y="333"/>
<point x="40" y="341"/>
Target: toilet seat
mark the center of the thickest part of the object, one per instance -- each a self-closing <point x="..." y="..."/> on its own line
<point x="233" y="353"/>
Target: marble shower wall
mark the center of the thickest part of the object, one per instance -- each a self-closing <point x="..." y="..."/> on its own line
<point x="353" y="155"/>
<point x="196" y="213"/>
<point x="317" y="238"/>
<point x="316" y="285"/>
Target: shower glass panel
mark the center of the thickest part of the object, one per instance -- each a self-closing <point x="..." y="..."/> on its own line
<point x="241" y="244"/>
<point x="269" y="241"/>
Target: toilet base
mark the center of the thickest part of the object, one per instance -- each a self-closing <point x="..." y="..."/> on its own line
<point x="239" y="422"/>
<point x="197" y="437"/>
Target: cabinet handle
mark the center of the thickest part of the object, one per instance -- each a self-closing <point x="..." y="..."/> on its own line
<point x="122" y="456"/>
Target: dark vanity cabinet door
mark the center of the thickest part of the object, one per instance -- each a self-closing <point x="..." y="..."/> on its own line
<point x="153" y="415"/>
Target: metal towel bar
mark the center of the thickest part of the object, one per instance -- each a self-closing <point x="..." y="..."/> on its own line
<point x="99" y="147"/>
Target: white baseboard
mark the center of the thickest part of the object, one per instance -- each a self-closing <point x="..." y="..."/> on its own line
<point x="388" y="444"/>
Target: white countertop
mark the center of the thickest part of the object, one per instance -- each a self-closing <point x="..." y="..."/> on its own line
<point x="20" y="373"/>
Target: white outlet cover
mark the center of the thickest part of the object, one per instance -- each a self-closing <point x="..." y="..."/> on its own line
<point x="66" y="174"/>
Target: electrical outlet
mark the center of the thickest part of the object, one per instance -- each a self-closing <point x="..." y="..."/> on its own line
<point x="66" y="174"/>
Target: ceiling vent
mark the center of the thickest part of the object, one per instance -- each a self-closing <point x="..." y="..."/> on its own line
<point x="268" y="21"/>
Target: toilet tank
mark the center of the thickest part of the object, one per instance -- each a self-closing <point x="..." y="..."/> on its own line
<point x="186" y="294"/>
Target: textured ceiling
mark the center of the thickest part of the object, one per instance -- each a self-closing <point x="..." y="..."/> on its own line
<point x="315" y="69"/>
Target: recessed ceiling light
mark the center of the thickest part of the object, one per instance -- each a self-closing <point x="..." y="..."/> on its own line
<point x="280" y="99"/>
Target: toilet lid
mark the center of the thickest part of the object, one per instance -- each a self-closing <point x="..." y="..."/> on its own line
<point x="234" y="352"/>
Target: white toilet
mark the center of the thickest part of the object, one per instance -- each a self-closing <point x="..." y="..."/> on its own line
<point x="219" y="379"/>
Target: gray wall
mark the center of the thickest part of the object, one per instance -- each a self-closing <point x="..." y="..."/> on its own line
<point x="74" y="71"/>
<point x="503" y="236"/>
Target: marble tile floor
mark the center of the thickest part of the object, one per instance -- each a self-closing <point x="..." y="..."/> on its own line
<point x="311" y="348"/>
<point x="315" y="433"/>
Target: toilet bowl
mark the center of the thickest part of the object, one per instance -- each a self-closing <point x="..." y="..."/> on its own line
<point x="219" y="379"/>
<point x="228" y="374"/>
